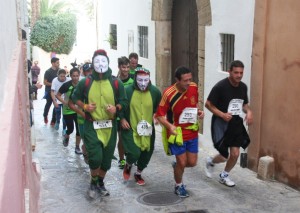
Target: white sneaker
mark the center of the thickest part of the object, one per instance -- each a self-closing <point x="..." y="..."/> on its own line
<point x="226" y="181"/>
<point x="208" y="167"/>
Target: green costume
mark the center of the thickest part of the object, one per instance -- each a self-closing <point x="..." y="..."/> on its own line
<point x="100" y="143"/>
<point x="142" y="106"/>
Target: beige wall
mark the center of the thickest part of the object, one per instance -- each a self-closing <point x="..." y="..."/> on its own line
<point x="275" y="88"/>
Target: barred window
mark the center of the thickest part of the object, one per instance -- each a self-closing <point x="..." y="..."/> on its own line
<point x="227" y="51"/>
<point x="113" y="39"/>
<point x="143" y="41"/>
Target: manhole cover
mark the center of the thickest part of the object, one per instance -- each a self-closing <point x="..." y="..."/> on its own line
<point x="159" y="198"/>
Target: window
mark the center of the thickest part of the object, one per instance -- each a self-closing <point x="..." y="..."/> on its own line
<point x="227" y="52"/>
<point x="143" y="41"/>
<point x="113" y="40"/>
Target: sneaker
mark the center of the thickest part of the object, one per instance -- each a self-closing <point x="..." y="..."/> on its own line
<point x="180" y="191"/>
<point x="139" y="180"/>
<point x="208" y="167"/>
<point x="56" y="126"/>
<point x="78" y="151"/>
<point x="226" y="181"/>
<point x="122" y="163"/>
<point x="52" y="123"/>
<point x="103" y="191"/>
<point x="126" y="172"/>
<point x="64" y="131"/>
<point x="46" y="120"/>
<point x="65" y="141"/>
<point x="93" y="191"/>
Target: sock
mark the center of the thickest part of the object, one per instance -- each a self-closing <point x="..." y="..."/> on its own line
<point x="101" y="183"/>
<point x="224" y="174"/>
<point x="94" y="180"/>
<point x="178" y="184"/>
<point x="138" y="172"/>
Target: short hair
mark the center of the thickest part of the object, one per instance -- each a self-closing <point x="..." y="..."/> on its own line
<point x="74" y="69"/>
<point x="54" y="59"/>
<point x="236" y="63"/>
<point x="181" y="71"/>
<point x="61" y="71"/>
<point x="123" y="61"/>
<point x="133" y="55"/>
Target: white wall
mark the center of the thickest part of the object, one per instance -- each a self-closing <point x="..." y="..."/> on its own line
<point x="230" y="17"/>
<point x="127" y="15"/>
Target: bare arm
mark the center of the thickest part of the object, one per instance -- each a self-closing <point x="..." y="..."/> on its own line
<point x="225" y="116"/>
<point x="53" y="98"/>
<point x="76" y="109"/>
<point x="46" y="83"/>
<point x="58" y="96"/>
<point x="163" y="121"/>
<point x="249" y="116"/>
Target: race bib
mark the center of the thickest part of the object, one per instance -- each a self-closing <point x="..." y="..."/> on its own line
<point x="102" y="124"/>
<point x="144" y="128"/>
<point x="235" y="106"/>
<point x="188" y="115"/>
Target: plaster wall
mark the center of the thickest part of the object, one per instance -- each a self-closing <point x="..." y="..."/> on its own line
<point x="127" y="15"/>
<point x="275" y="88"/>
<point x="229" y="17"/>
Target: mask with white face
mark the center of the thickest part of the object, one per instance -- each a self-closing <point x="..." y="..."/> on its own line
<point x="142" y="81"/>
<point x="100" y="64"/>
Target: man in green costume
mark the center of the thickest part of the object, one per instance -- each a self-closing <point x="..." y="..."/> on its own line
<point x="138" y="133"/>
<point x="102" y="97"/>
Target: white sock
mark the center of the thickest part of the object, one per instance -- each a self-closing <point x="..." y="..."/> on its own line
<point x="224" y="174"/>
<point x="178" y="184"/>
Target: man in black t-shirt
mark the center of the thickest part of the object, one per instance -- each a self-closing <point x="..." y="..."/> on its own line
<point x="228" y="100"/>
<point x="50" y="74"/>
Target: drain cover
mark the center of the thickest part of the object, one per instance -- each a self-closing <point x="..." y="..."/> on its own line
<point x="159" y="198"/>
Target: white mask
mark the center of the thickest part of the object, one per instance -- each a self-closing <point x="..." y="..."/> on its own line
<point x="142" y="81"/>
<point x="100" y="64"/>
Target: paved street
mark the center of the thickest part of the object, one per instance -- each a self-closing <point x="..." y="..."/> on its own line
<point x="65" y="180"/>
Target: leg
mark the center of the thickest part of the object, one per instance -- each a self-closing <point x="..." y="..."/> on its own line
<point x="233" y="157"/>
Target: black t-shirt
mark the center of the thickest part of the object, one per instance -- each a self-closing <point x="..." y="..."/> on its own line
<point x="223" y="92"/>
<point x="50" y="74"/>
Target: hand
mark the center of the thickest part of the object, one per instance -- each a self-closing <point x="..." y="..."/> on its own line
<point x="200" y="114"/>
<point x="249" y="117"/>
<point x="111" y="109"/>
<point x="172" y="130"/>
<point x="227" y="117"/>
<point x="90" y="107"/>
<point x="38" y="85"/>
<point x="124" y="124"/>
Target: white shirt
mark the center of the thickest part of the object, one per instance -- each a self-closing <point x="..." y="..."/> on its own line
<point x="56" y="84"/>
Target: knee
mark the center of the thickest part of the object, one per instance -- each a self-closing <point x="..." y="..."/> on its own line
<point x="234" y="154"/>
<point x="192" y="163"/>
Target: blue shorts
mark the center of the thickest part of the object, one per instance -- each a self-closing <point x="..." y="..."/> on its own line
<point x="188" y="146"/>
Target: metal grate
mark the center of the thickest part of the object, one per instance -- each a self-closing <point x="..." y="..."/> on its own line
<point x="143" y="41"/>
<point x="159" y="198"/>
<point x="227" y="52"/>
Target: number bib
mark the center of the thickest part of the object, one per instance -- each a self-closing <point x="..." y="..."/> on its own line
<point x="235" y="106"/>
<point x="188" y="115"/>
<point x="144" y="128"/>
<point x="102" y="124"/>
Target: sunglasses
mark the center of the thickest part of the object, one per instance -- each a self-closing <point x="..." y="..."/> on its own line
<point x="86" y="67"/>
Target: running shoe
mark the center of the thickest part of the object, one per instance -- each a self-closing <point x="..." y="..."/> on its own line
<point x="181" y="191"/>
<point x="66" y="141"/>
<point x="139" y="180"/>
<point x="208" y="167"/>
<point x="78" y="151"/>
<point x="226" y="181"/>
<point x="56" y="126"/>
<point x="126" y="172"/>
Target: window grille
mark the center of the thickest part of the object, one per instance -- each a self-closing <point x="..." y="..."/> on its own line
<point x="227" y="51"/>
<point x="143" y="41"/>
<point x="113" y="39"/>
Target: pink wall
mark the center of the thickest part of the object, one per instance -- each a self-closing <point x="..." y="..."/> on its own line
<point x="17" y="172"/>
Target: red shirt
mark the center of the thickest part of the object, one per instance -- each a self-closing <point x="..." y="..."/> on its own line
<point x="172" y="107"/>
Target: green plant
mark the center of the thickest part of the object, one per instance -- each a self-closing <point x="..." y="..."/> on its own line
<point x="56" y="33"/>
